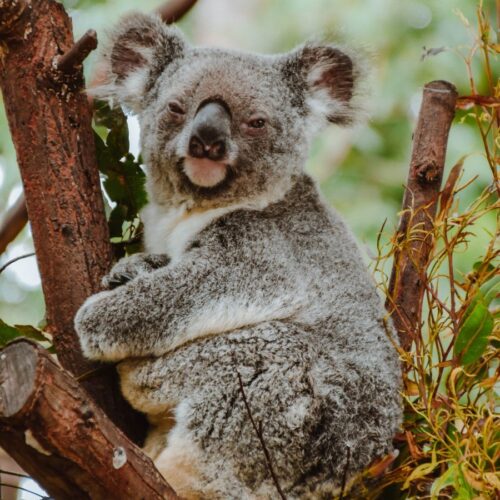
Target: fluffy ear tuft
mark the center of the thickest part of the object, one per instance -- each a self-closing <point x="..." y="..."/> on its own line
<point x="327" y="78"/>
<point x="139" y="48"/>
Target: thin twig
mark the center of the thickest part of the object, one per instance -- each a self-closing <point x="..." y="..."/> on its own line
<point x="6" y="485"/>
<point x="258" y="431"/>
<point x="16" y="474"/>
<point x="344" y="475"/>
<point x="77" y="54"/>
<point x="15" y="259"/>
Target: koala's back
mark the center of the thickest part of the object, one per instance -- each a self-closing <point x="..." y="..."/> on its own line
<point x="323" y="382"/>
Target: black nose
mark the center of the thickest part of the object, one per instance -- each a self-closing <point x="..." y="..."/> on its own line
<point x="210" y="133"/>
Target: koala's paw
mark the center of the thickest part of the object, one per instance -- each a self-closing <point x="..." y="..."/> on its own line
<point x="94" y="335"/>
<point x="130" y="267"/>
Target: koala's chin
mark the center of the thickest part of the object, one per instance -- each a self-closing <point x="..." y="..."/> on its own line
<point x="205" y="173"/>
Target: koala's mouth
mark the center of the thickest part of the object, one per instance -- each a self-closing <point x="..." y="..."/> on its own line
<point x="205" y="173"/>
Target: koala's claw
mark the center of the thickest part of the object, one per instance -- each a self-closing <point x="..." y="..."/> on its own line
<point x="129" y="268"/>
<point x="115" y="280"/>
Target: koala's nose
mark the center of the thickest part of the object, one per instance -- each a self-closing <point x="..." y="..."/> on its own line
<point x="210" y="132"/>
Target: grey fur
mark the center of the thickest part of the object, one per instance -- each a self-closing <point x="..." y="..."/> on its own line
<point x="270" y="284"/>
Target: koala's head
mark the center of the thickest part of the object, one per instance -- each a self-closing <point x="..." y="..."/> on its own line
<point x="218" y="126"/>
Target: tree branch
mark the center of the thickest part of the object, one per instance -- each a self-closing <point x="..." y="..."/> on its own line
<point x="260" y="436"/>
<point x="12" y="223"/>
<point x="414" y="234"/>
<point x="76" y="451"/>
<point x="73" y="59"/>
<point x="172" y="11"/>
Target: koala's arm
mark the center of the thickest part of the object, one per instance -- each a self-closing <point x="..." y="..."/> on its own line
<point x="128" y="268"/>
<point x="195" y="297"/>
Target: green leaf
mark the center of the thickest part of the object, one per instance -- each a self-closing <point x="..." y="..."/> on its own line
<point x="107" y="117"/>
<point x="115" y="186"/>
<point x="490" y="289"/>
<point x="31" y="332"/>
<point x="116" y="219"/>
<point x="7" y="333"/>
<point x="447" y="479"/>
<point x="472" y="338"/>
<point x="477" y="265"/>
<point x="135" y="180"/>
<point x="477" y="323"/>
<point x="117" y="141"/>
<point x="486" y="293"/>
<point x="464" y="490"/>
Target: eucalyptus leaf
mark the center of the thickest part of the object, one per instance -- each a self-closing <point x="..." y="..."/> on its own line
<point x="8" y="333"/>
<point x="472" y="338"/>
<point x="419" y="472"/>
<point x="31" y="332"/>
<point x="477" y="323"/>
<point x="117" y="141"/>
<point x="116" y="219"/>
<point x="449" y="478"/>
<point x="115" y="186"/>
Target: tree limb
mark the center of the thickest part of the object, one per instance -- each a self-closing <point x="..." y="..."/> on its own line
<point x="76" y="452"/>
<point x="76" y="55"/>
<point x="174" y="10"/>
<point x="414" y="234"/>
<point x="12" y="223"/>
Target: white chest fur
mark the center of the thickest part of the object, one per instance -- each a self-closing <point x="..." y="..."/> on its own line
<point x="170" y="230"/>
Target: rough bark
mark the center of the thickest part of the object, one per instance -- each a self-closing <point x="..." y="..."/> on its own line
<point x="76" y="451"/>
<point x="414" y="237"/>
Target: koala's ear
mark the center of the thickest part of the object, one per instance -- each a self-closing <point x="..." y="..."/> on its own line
<point x="326" y="77"/>
<point x="139" y="48"/>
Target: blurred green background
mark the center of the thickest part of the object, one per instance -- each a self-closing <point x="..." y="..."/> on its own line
<point x="361" y="171"/>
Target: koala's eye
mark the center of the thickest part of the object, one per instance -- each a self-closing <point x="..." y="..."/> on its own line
<point x="256" y="125"/>
<point x="176" y="108"/>
<point x="257" y="122"/>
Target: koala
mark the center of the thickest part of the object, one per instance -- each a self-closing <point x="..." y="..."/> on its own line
<point x="249" y="331"/>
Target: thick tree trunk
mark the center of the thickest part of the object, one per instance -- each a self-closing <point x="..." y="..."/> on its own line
<point x="77" y="451"/>
<point x="414" y="235"/>
<point x="50" y="123"/>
